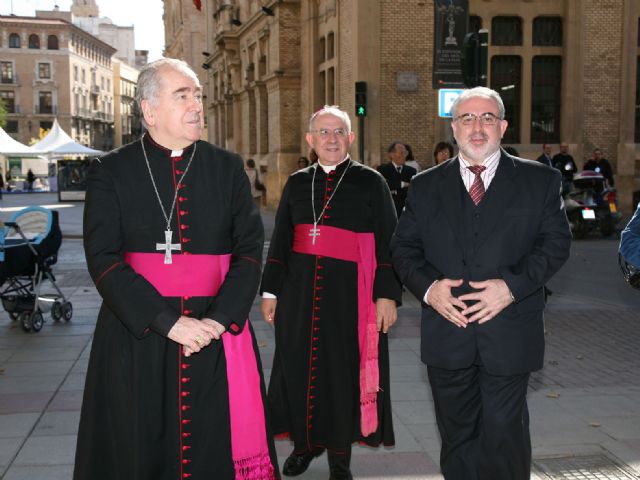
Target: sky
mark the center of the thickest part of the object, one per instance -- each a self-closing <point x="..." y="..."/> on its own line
<point x="144" y="15"/>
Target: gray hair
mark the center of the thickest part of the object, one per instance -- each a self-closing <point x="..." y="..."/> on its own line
<point x="149" y="79"/>
<point x="331" y="110"/>
<point x="482" y="92"/>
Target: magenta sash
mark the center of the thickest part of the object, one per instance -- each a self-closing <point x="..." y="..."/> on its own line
<point x="360" y="248"/>
<point x="202" y="275"/>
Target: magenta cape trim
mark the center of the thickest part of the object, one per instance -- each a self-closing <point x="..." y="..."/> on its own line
<point x="202" y="275"/>
<point x="360" y="248"/>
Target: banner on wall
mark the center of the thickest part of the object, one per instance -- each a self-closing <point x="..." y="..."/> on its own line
<point x="451" y="18"/>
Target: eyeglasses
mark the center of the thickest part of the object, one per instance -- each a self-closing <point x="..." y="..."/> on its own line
<point x="487" y="119"/>
<point x="325" y="132"/>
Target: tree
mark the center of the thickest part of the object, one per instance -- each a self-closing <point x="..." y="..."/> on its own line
<point x="3" y="114"/>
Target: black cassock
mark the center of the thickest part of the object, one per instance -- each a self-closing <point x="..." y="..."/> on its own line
<point x="137" y="422"/>
<point x="317" y="403"/>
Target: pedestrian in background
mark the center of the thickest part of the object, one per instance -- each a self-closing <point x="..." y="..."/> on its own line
<point x="601" y="165"/>
<point x="329" y="290"/>
<point x="630" y="240"/>
<point x="545" y="157"/>
<point x="303" y="162"/>
<point x="467" y="250"/>
<point x="442" y="152"/>
<point x="397" y="174"/>
<point x="30" y="179"/>
<point x="563" y="162"/>
<point x="257" y="187"/>
<point x="410" y="160"/>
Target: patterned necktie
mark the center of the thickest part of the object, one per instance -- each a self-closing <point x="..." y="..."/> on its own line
<point x="477" y="187"/>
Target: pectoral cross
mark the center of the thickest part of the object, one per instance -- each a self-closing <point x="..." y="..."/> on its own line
<point x="167" y="246"/>
<point x="314" y="232"/>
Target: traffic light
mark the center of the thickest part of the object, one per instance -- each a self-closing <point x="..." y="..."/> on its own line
<point x="474" y="58"/>
<point x="361" y="99"/>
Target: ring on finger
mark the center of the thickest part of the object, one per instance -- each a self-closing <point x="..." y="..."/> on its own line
<point x="199" y="340"/>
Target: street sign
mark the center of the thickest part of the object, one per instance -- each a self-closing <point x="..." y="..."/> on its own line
<point x="446" y="97"/>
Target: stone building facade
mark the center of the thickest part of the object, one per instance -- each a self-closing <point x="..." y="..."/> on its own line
<point x="567" y="69"/>
<point x="53" y="69"/>
<point x="127" y="122"/>
<point x="185" y="37"/>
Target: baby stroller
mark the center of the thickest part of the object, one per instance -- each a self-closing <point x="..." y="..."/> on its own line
<point x="29" y="244"/>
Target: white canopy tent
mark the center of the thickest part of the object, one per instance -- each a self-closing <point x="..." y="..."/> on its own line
<point x="11" y="147"/>
<point x="58" y="142"/>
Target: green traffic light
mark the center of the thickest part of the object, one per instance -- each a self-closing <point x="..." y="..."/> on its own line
<point x="361" y="111"/>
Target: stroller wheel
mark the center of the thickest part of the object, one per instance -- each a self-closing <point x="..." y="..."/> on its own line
<point x="25" y="320"/>
<point x="67" y="311"/>
<point x="56" y="311"/>
<point x="37" y="321"/>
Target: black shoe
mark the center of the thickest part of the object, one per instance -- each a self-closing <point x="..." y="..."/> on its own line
<point x="298" y="463"/>
<point x="339" y="465"/>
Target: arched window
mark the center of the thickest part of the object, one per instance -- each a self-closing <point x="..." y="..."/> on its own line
<point x="506" y="31"/>
<point x="34" y="41"/>
<point x="52" y="42"/>
<point x="14" y="40"/>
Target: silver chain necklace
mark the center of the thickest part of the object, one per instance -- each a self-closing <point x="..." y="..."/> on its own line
<point x="315" y="231"/>
<point x="167" y="246"/>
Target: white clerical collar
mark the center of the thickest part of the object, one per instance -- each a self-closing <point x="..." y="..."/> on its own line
<point x="331" y="168"/>
<point x="176" y="153"/>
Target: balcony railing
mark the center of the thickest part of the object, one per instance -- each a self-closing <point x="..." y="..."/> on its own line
<point x="12" y="80"/>
<point x="107" y="117"/>
<point x="95" y="89"/>
<point x="45" y="109"/>
<point x="82" y="112"/>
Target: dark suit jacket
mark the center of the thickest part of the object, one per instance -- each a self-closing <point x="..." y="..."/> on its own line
<point x="394" y="180"/>
<point x="544" y="160"/>
<point x="523" y="238"/>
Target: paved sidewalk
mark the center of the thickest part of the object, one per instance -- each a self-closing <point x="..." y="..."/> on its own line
<point x="585" y="414"/>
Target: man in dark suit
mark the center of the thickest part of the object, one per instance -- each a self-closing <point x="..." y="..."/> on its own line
<point x="479" y="238"/>
<point x="397" y="174"/>
<point x="545" y="158"/>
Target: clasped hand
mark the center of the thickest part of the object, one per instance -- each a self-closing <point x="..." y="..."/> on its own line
<point x="194" y="334"/>
<point x="490" y="296"/>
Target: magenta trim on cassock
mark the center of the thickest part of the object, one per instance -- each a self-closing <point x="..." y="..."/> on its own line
<point x="202" y="275"/>
<point x="360" y="248"/>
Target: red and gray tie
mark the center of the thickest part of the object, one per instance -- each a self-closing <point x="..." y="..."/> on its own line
<point x="477" y="187"/>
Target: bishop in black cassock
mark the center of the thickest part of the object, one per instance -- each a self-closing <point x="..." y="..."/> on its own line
<point x="157" y="408"/>
<point x="316" y="387"/>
